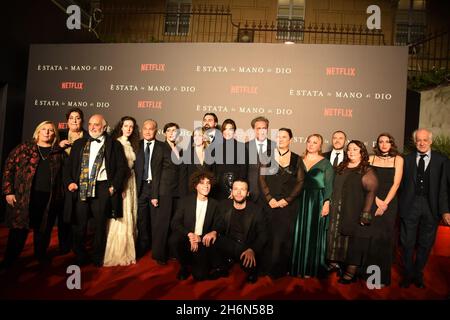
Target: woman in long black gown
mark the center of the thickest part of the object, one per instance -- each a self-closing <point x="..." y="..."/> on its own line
<point x="388" y="165"/>
<point x="354" y="190"/>
<point x="281" y="183"/>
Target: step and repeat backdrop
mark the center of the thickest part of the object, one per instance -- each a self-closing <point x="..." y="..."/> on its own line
<point x="308" y="88"/>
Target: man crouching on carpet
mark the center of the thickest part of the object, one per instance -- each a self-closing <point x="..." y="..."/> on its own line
<point x="242" y="231"/>
<point x="194" y="229"/>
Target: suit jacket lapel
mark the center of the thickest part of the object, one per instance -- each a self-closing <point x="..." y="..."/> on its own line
<point x="208" y="217"/>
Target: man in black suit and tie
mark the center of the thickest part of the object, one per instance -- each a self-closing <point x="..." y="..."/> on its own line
<point x="258" y="151"/>
<point x="194" y="229"/>
<point x="423" y="203"/>
<point x="242" y="231"/>
<point x="148" y="168"/>
<point x="337" y="154"/>
<point x="211" y="124"/>
<point x="96" y="170"/>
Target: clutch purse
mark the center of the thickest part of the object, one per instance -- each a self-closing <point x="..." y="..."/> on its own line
<point x="365" y="218"/>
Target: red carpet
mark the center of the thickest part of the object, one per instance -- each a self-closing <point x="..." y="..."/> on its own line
<point x="147" y="280"/>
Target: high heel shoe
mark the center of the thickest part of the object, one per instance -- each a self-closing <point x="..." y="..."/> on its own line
<point x="334" y="267"/>
<point x="347" y="278"/>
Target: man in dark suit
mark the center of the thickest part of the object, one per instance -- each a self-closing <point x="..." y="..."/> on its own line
<point x="148" y="168"/>
<point x="210" y="123"/>
<point x="423" y="203"/>
<point x="194" y="229"/>
<point x="96" y="170"/>
<point x="242" y="231"/>
<point x="258" y="151"/>
<point x="337" y="154"/>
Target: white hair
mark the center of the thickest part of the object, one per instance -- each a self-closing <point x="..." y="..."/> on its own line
<point x="430" y="134"/>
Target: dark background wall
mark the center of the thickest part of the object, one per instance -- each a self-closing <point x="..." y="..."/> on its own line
<point x="23" y="23"/>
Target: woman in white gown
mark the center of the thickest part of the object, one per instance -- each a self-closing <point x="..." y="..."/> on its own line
<point x="120" y="245"/>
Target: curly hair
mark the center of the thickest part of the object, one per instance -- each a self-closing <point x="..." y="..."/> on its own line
<point x="198" y="176"/>
<point x="393" y="151"/>
<point x="133" y="138"/>
<point x="364" y="163"/>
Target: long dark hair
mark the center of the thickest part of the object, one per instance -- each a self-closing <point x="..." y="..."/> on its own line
<point x="363" y="165"/>
<point x="393" y="151"/>
<point x="133" y="138"/>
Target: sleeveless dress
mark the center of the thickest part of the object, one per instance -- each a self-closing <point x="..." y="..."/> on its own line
<point x="381" y="251"/>
<point x="120" y="245"/>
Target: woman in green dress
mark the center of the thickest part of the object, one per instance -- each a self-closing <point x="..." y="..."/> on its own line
<point x="310" y="231"/>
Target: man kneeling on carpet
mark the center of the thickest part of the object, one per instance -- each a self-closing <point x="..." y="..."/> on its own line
<point x="242" y="232"/>
<point x="194" y="229"/>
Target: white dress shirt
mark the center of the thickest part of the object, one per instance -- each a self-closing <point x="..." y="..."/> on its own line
<point x="264" y="145"/>
<point x="149" y="158"/>
<point x="93" y="151"/>
<point x="340" y="156"/>
<point x="426" y="159"/>
<point x="200" y="214"/>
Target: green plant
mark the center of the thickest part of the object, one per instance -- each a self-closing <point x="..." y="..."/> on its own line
<point x="441" y="143"/>
<point x="429" y="79"/>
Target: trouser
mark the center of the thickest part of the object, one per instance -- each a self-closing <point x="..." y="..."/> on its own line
<point x="419" y="226"/>
<point x="97" y="208"/>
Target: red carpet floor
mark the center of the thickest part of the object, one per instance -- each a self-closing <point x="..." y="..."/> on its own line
<point x="146" y="280"/>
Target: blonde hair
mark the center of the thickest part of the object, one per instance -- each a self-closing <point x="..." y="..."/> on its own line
<point x="321" y="143"/>
<point x="206" y="140"/>
<point x="39" y="127"/>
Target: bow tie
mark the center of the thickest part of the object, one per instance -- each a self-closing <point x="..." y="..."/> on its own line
<point x="94" y="139"/>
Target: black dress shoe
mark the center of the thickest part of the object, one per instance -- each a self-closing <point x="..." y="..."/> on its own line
<point x="161" y="262"/>
<point x="183" y="274"/>
<point x="252" y="278"/>
<point x="405" y="283"/>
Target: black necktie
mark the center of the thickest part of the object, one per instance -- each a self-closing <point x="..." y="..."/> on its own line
<point x="336" y="159"/>
<point x="421" y="166"/>
<point x="146" y="159"/>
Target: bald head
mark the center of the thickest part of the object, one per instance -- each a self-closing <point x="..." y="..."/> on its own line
<point x="423" y="138"/>
<point x="97" y="125"/>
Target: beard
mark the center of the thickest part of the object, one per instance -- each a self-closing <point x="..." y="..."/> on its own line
<point x="240" y="201"/>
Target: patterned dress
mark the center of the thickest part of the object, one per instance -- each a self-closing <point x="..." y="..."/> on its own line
<point x="120" y="245"/>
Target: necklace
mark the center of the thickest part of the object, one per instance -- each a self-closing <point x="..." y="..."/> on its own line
<point x="385" y="156"/>
<point x="283" y="153"/>
<point x="40" y="153"/>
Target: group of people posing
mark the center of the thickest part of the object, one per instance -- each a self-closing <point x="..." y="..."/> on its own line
<point x="221" y="201"/>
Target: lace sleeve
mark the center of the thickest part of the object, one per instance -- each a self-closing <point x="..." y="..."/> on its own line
<point x="370" y="185"/>
<point x="264" y="186"/>
<point x="300" y="176"/>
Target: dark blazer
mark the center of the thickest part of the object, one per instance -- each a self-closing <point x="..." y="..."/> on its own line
<point x="173" y="175"/>
<point x="184" y="220"/>
<point x="253" y="168"/>
<point x="117" y="170"/>
<point x="255" y="228"/>
<point x="156" y="163"/>
<point x="438" y="195"/>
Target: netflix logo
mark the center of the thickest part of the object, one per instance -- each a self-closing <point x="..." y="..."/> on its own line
<point x="149" y="104"/>
<point x="153" y="67"/>
<point x="235" y="89"/>
<point x="72" y="85"/>
<point x="341" y="71"/>
<point x="338" y="112"/>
